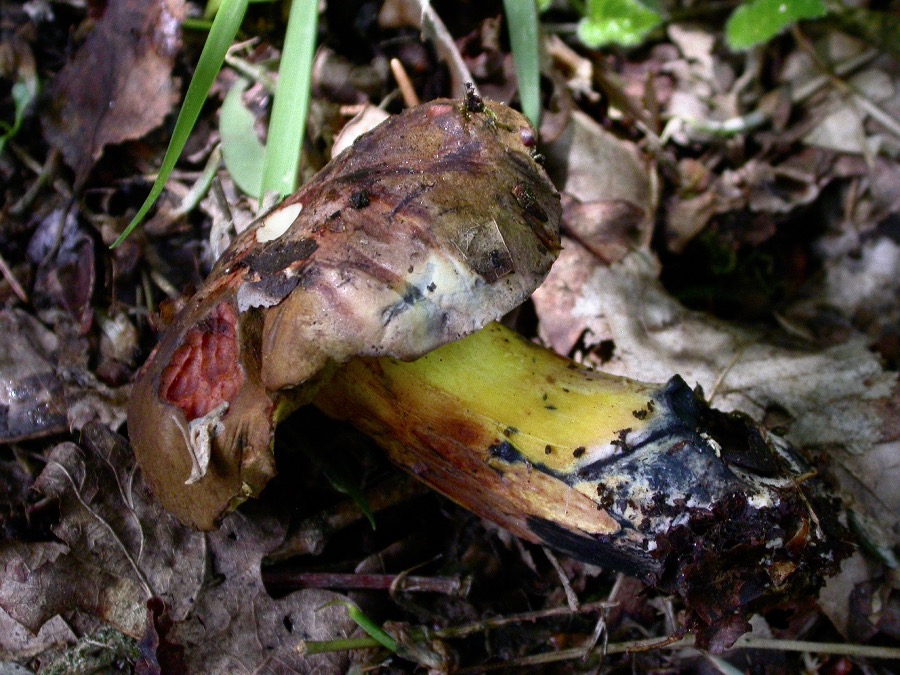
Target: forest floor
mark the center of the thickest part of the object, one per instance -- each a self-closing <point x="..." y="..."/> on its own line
<point x="732" y="217"/>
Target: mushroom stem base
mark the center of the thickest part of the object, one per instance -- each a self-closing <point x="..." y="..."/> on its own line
<point x="642" y="478"/>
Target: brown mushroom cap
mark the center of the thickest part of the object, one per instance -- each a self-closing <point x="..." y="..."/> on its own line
<point x="430" y="226"/>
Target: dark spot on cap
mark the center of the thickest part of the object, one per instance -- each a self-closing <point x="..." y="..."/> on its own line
<point x="359" y="199"/>
<point x="578" y="452"/>
<point x="621" y="441"/>
<point x="526" y="199"/>
<point x="280" y="255"/>
<point x="548" y="449"/>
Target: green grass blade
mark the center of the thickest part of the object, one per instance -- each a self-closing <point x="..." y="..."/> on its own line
<point x="221" y="35"/>
<point x="288" y="120"/>
<point x="522" y="19"/>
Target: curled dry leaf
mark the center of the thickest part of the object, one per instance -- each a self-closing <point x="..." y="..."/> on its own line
<point x="608" y="196"/>
<point x="32" y="399"/>
<point x="428" y="227"/>
<point x="119" y="548"/>
<point x="119" y="85"/>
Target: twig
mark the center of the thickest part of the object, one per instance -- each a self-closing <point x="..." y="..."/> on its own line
<point x="834" y="78"/>
<point x="632" y="646"/>
<point x="454" y="632"/>
<point x="410" y="98"/>
<point x="44" y="175"/>
<point x="571" y="598"/>
<point x="286" y="580"/>
<point x="434" y="29"/>
<point x="12" y="281"/>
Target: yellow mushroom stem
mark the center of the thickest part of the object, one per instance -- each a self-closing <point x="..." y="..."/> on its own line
<point x="645" y="478"/>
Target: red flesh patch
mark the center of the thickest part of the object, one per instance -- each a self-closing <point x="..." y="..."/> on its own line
<point x="204" y="371"/>
<point x="439" y="110"/>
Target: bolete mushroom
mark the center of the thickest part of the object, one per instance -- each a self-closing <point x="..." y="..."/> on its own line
<point x="429" y="227"/>
<point x="424" y="230"/>
<point x="642" y="478"/>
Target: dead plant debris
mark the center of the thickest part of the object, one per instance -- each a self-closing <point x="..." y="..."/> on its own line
<point x="728" y="217"/>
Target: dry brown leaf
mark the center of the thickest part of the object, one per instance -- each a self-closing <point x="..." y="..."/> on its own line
<point x="17" y="642"/>
<point x="64" y="255"/>
<point x="119" y="548"/>
<point x="608" y="189"/>
<point x="32" y="401"/>
<point x="119" y="84"/>
<point x="555" y="300"/>
<point x="236" y="627"/>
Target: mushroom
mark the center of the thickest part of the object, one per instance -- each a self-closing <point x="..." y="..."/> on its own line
<point x="425" y="230"/>
<point x="642" y="478"/>
<point x="430" y="226"/>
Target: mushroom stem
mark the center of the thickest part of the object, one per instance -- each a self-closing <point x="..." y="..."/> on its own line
<point x="642" y="478"/>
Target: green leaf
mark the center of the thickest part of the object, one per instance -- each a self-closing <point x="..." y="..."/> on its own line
<point x="522" y="19"/>
<point x="242" y="151"/>
<point x="759" y="21"/>
<point x="624" y="22"/>
<point x="224" y="28"/>
<point x="291" y="104"/>
<point x="23" y="94"/>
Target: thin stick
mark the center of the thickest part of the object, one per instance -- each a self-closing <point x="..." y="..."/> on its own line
<point x="12" y="281"/>
<point x="647" y="644"/>
<point x="410" y="98"/>
<point x="571" y="598"/>
<point x="453" y="586"/>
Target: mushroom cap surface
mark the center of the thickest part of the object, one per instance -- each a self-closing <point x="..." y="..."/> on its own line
<point x="430" y="226"/>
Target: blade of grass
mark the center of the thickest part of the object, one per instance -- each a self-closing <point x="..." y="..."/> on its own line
<point x="288" y="120"/>
<point x="522" y="20"/>
<point x="221" y="35"/>
<point x="372" y="629"/>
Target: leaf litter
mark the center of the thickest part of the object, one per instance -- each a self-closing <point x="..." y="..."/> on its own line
<point x="811" y="370"/>
<point x="118" y="550"/>
<point x="118" y="85"/>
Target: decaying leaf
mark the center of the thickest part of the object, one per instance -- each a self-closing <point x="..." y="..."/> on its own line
<point x="428" y="227"/>
<point x="235" y="627"/>
<point x="64" y="255"/>
<point x="119" y="84"/>
<point x="32" y="400"/>
<point x="608" y="197"/>
<point x="118" y="549"/>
